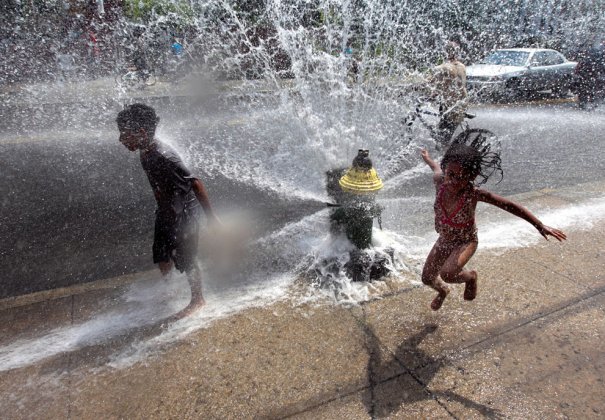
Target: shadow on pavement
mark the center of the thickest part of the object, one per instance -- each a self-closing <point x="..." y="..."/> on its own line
<point x="388" y="395"/>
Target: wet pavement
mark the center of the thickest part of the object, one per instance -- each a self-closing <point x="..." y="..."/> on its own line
<point x="91" y="217"/>
<point x="529" y="346"/>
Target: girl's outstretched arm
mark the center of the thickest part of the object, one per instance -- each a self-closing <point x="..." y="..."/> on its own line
<point x="433" y="165"/>
<point x="520" y="211"/>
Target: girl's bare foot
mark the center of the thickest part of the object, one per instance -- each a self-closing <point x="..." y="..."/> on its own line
<point x="470" y="288"/>
<point x="438" y="301"/>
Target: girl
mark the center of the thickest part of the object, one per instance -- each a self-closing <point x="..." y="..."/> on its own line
<point x="457" y="197"/>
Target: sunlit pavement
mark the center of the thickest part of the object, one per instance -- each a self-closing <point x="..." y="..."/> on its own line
<point x="53" y="107"/>
<point x="106" y="88"/>
<point x="529" y="346"/>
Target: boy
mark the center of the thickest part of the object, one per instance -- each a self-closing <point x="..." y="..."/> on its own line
<point x="178" y="194"/>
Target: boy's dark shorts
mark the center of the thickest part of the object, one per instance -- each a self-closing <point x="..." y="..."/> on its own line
<point x="176" y="239"/>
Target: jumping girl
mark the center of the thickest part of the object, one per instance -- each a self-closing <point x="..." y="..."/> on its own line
<point x="457" y="196"/>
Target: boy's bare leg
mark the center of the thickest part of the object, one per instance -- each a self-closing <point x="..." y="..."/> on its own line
<point x="194" y="277"/>
<point x="430" y="272"/>
<point x="195" y="282"/>
<point x="165" y="267"/>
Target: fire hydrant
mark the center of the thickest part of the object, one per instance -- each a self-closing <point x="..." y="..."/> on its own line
<point x="354" y="212"/>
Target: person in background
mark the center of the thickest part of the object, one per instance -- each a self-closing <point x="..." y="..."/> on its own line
<point x="448" y="90"/>
<point x="139" y="53"/>
<point x="177" y="48"/>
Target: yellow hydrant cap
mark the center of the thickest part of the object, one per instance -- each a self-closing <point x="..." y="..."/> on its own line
<point x="359" y="181"/>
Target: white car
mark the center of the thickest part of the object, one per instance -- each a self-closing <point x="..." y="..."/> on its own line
<point x="515" y="71"/>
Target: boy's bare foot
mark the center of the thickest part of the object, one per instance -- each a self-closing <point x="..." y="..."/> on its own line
<point x="194" y="306"/>
<point x="470" y="288"/>
<point x="438" y="301"/>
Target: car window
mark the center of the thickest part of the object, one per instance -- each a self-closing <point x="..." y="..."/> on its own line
<point x="540" y="59"/>
<point x="554" y="58"/>
<point x="507" y="58"/>
<point x="546" y="58"/>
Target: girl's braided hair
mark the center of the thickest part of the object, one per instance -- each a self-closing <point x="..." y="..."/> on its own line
<point x="472" y="150"/>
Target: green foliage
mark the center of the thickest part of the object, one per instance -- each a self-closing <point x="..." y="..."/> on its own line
<point x="144" y="10"/>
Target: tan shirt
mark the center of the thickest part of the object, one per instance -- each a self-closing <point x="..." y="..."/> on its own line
<point x="449" y="81"/>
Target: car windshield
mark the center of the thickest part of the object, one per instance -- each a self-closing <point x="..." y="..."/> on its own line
<point x="507" y="58"/>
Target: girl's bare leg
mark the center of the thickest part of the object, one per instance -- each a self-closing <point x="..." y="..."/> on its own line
<point x="430" y="272"/>
<point x="470" y="289"/>
<point x="453" y="271"/>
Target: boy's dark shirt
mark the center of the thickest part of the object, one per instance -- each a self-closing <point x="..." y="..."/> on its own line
<point x="170" y="180"/>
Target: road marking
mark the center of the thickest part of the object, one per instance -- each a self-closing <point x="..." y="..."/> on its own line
<point x="95" y="133"/>
<point x="55" y="135"/>
<point x="22" y="139"/>
<point x="237" y="121"/>
<point x="77" y="289"/>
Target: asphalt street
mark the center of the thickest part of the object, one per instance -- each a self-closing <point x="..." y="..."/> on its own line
<point x="76" y="206"/>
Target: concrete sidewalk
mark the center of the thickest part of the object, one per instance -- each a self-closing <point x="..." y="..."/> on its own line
<point x="530" y="346"/>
